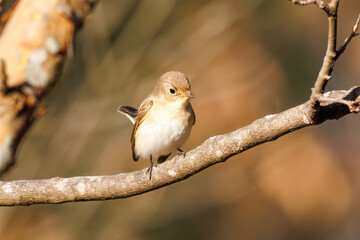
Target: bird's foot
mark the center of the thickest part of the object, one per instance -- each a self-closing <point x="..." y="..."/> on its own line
<point x="181" y="152"/>
<point x="150" y="169"/>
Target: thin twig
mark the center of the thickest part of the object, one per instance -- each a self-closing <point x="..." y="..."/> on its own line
<point x="349" y="38"/>
<point x="318" y="3"/>
<point x="329" y="60"/>
<point x="303" y="2"/>
<point x="332" y="54"/>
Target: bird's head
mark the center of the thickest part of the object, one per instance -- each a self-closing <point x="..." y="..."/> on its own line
<point x="173" y="87"/>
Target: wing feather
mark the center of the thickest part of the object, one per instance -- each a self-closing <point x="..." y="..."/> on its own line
<point x="193" y="113"/>
<point x="143" y="110"/>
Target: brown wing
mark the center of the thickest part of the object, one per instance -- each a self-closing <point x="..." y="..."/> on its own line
<point x="143" y="110"/>
<point x="193" y="113"/>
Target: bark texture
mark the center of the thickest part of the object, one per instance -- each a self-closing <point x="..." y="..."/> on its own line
<point x="34" y="43"/>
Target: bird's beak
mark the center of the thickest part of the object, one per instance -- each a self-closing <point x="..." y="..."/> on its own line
<point x="189" y="95"/>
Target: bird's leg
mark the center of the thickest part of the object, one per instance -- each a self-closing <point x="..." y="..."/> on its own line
<point x="150" y="168"/>
<point x="181" y="152"/>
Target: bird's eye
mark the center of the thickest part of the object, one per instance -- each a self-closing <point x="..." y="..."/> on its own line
<point x="172" y="91"/>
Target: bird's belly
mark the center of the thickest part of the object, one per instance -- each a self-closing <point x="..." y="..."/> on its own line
<point x="161" y="136"/>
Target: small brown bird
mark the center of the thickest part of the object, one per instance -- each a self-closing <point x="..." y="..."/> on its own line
<point x="164" y="120"/>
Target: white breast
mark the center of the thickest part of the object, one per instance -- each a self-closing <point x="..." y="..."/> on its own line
<point x="164" y="130"/>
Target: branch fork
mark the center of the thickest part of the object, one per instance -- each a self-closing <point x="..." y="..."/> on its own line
<point x="332" y="54"/>
<point x="325" y="99"/>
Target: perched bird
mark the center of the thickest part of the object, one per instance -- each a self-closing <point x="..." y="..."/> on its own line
<point x="164" y="120"/>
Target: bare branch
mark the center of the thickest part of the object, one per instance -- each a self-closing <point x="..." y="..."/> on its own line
<point x="349" y="38"/>
<point x="331" y="52"/>
<point x="329" y="59"/>
<point x="214" y="150"/>
<point x="303" y="2"/>
<point x="318" y="3"/>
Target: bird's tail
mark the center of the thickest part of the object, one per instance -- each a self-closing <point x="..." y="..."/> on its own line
<point x="129" y="112"/>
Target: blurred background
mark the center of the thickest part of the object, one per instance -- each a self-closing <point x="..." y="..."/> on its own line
<point x="245" y="59"/>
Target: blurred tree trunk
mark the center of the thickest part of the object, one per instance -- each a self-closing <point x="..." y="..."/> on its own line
<point x="35" y="38"/>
